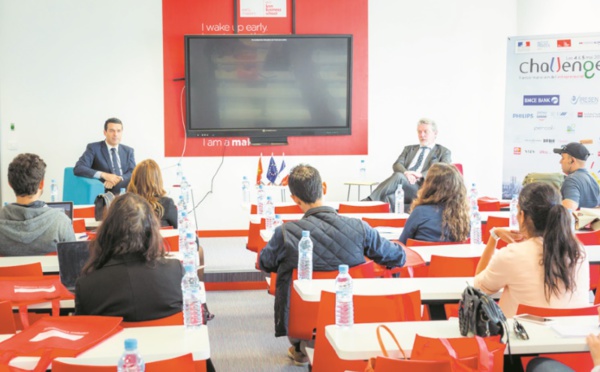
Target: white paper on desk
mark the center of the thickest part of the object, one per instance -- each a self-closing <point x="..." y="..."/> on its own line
<point x="568" y="331"/>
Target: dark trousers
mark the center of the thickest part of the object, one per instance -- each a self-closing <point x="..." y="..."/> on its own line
<point x="386" y="190"/>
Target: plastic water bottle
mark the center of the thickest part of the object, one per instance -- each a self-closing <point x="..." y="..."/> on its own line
<point x="399" y="199"/>
<point x="260" y="200"/>
<point x="245" y="190"/>
<point x="182" y="227"/>
<point x="53" y="191"/>
<point x="131" y="361"/>
<point x="192" y="303"/>
<point x="269" y="213"/>
<point x="179" y="173"/>
<point x="475" y="227"/>
<point x="277" y="221"/>
<point x="123" y="191"/>
<point x="189" y="250"/>
<point x="344" y="308"/>
<point x="363" y="169"/>
<point x="514" y="221"/>
<point x="473" y="195"/>
<point x="305" y="254"/>
<point x="185" y="190"/>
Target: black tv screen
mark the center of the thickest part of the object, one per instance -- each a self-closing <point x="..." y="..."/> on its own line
<point x="268" y="85"/>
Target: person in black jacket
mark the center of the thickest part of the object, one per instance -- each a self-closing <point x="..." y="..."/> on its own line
<point x="336" y="240"/>
<point x="128" y="274"/>
<point x="147" y="182"/>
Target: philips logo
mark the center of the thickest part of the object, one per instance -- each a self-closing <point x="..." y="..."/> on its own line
<point x="522" y="116"/>
<point x="544" y="100"/>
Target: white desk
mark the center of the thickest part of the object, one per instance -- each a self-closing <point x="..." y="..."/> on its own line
<point x="389" y="233"/>
<point x="359" y="342"/>
<point x="256" y="218"/>
<point x="432" y="289"/>
<point x="154" y="343"/>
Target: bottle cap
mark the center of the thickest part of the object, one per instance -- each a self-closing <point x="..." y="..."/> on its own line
<point x="130" y="344"/>
<point x="53" y="180"/>
<point x="188" y="268"/>
<point x="343" y="269"/>
<point x="189" y="235"/>
<point x="305" y="234"/>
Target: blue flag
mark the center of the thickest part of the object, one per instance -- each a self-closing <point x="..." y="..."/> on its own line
<point x="272" y="171"/>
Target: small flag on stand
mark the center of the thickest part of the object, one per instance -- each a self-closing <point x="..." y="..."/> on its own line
<point x="259" y="171"/>
<point x="283" y="175"/>
<point x="272" y="171"/>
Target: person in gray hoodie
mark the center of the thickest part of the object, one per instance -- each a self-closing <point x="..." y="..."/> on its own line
<point x="29" y="227"/>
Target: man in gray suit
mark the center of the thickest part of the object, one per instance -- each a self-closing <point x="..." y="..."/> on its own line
<point x="410" y="169"/>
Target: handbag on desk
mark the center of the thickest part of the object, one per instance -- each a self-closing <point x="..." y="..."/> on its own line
<point x="101" y="204"/>
<point x="53" y="337"/>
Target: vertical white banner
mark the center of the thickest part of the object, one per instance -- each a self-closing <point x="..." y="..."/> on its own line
<point x="552" y="98"/>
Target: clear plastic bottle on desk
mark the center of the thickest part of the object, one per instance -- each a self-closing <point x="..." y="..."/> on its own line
<point x="514" y="221"/>
<point x="399" y="207"/>
<point x="473" y="195"/>
<point x="344" y="307"/>
<point x="260" y="200"/>
<point x="53" y="191"/>
<point x="476" y="227"/>
<point x="245" y="190"/>
<point x="277" y="221"/>
<point x="179" y="174"/>
<point x="269" y="214"/>
<point x="305" y="254"/>
<point x="189" y="250"/>
<point x="363" y="170"/>
<point x="192" y="302"/>
<point x="131" y="361"/>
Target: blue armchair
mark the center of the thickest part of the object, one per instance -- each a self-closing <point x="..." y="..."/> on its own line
<point x="80" y="190"/>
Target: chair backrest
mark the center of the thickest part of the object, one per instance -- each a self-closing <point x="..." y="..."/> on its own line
<point x="364" y="270"/>
<point x="280" y="209"/>
<point x="255" y="241"/>
<point x="80" y="190"/>
<point x="367" y="309"/>
<point x="79" y="226"/>
<point x="459" y="167"/>
<point x="180" y="363"/>
<point x="442" y="266"/>
<point x="421" y="243"/>
<point x="488" y="206"/>
<point x="386" y="222"/>
<point x="171" y="243"/>
<point x="414" y="262"/>
<point x="367" y="208"/>
<point x="383" y="364"/>
<point x="546" y="311"/>
<point x="7" y="320"/>
<point x="85" y="212"/>
<point x="31" y="269"/>
<point x="494" y="221"/>
<point x="589" y="238"/>
<point x="175" y="319"/>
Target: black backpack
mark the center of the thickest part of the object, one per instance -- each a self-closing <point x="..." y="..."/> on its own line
<point x="480" y="315"/>
<point x="101" y="205"/>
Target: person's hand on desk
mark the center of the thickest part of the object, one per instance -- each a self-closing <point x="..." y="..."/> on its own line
<point x="412" y="177"/>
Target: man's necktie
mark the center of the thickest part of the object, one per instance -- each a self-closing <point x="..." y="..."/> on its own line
<point x="419" y="159"/>
<point x="115" y="162"/>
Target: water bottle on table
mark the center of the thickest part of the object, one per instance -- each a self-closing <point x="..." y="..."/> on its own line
<point x="245" y="190"/>
<point x="399" y="207"/>
<point x="260" y="200"/>
<point x="269" y="210"/>
<point x="475" y="227"/>
<point x="514" y="221"/>
<point x="192" y="302"/>
<point x="131" y="361"/>
<point x="53" y="191"/>
<point x="305" y="253"/>
<point x="363" y="170"/>
<point x="473" y="195"/>
<point x="344" y="307"/>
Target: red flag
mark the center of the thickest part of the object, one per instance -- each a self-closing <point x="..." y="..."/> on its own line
<point x="259" y="171"/>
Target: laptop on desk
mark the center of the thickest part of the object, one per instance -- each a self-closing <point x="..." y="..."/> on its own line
<point x="65" y="206"/>
<point x="72" y="256"/>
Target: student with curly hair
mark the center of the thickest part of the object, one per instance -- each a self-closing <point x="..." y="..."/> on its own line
<point x="440" y="213"/>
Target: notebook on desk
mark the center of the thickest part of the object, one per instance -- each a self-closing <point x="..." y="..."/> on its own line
<point x="65" y="206"/>
<point x="72" y="256"/>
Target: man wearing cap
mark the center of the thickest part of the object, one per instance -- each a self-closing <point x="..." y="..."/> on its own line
<point x="580" y="189"/>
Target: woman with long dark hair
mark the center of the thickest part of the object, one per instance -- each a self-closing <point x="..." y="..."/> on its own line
<point x="147" y="181"/>
<point x="545" y="266"/>
<point x="128" y="273"/>
<point x="440" y="213"/>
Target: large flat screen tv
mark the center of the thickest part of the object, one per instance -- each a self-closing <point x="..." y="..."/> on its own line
<point x="268" y="87"/>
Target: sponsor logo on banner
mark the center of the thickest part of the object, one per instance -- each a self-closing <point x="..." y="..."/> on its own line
<point x="560" y="114"/>
<point x="533" y="140"/>
<point x="559" y="68"/>
<point x="529" y="151"/>
<point x="523" y="44"/>
<point x="588" y="115"/>
<point x="516" y="150"/>
<point x="541" y="115"/>
<point x="543" y="127"/>
<point x="571" y="128"/>
<point x="522" y="116"/>
<point x="543" y="44"/>
<point x="544" y="152"/>
<point x="584" y="100"/>
<point x="541" y="100"/>
<point x="548" y="140"/>
<point x="563" y="43"/>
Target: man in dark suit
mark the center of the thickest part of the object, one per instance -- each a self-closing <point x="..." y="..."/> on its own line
<point x="108" y="161"/>
<point x="412" y="165"/>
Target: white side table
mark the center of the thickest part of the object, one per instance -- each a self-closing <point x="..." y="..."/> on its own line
<point x="359" y="184"/>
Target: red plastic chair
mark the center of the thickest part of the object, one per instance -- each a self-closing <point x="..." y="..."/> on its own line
<point x="31" y="269"/>
<point x="175" y="319"/>
<point x="280" y="209"/>
<point x="255" y="241"/>
<point x="577" y="361"/>
<point x="367" y="309"/>
<point x="171" y="243"/>
<point x="7" y="320"/>
<point x="441" y="266"/>
<point x="488" y="206"/>
<point x="87" y="212"/>
<point x="459" y="166"/>
<point x="494" y="221"/>
<point x="79" y="226"/>
<point x="422" y="243"/>
<point x="303" y="314"/>
<point x="370" y="208"/>
<point x="591" y="238"/>
<point x="385" y="222"/>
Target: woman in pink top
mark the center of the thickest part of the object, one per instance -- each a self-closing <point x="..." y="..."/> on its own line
<point x="544" y="266"/>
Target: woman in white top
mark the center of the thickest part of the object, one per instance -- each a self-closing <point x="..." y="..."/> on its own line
<point x="545" y="266"/>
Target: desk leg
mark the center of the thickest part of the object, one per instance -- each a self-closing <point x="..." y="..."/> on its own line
<point x="358" y="192"/>
<point x="348" y="197"/>
<point x="283" y="195"/>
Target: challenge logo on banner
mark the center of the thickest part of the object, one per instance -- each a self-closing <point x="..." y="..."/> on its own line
<point x="552" y="98"/>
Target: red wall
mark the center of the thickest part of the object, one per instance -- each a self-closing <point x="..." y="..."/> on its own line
<point x="184" y="17"/>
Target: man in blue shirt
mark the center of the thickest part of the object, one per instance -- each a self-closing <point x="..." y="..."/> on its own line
<point x="580" y="189"/>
